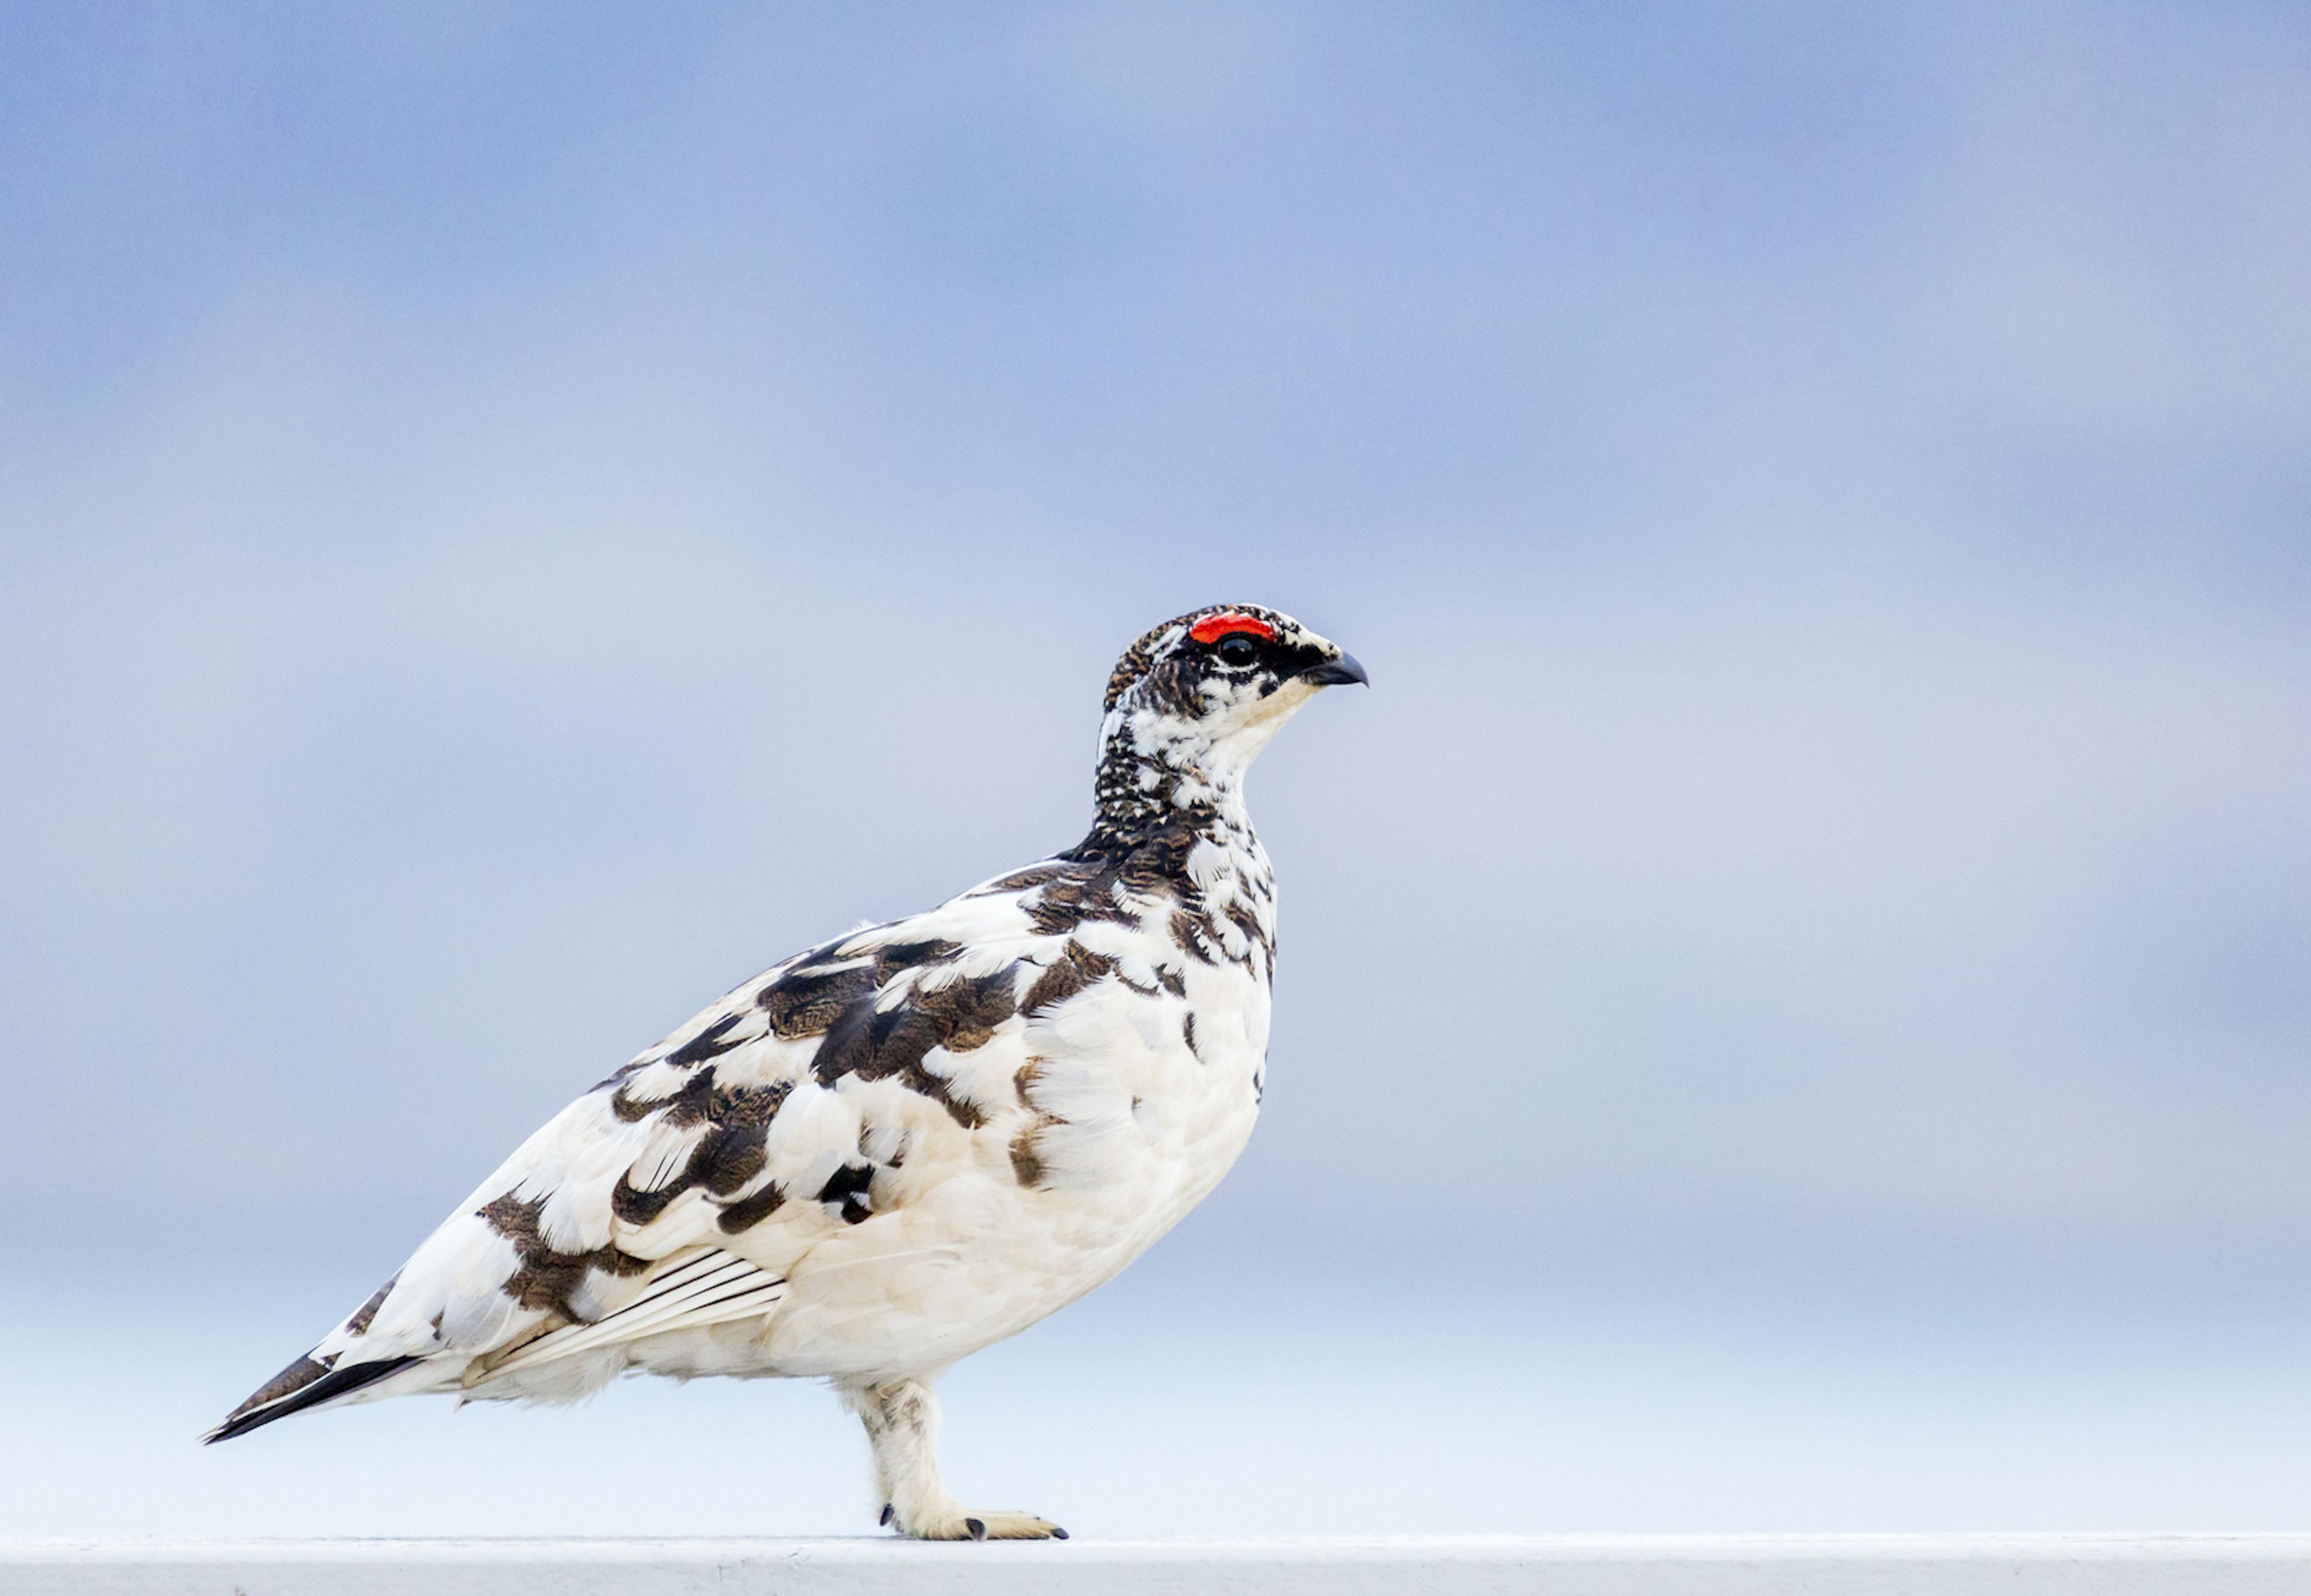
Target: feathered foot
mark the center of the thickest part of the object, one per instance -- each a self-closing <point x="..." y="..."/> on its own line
<point x="902" y="1419"/>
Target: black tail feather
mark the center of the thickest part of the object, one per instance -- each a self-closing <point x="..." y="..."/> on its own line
<point x="302" y="1384"/>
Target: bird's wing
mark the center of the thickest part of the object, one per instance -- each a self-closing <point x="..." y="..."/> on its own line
<point x="694" y="1289"/>
<point x="675" y="1194"/>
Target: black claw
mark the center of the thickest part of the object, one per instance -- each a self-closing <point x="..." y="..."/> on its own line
<point x="889" y="1513"/>
<point x="978" y="1528"/>
<point x="1057" y="1533"/>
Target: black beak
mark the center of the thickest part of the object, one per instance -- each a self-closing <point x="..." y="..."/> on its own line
<point x="1337" y="672"/>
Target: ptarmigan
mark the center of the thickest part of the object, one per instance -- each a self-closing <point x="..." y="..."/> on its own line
<point x="905" y="1144"/>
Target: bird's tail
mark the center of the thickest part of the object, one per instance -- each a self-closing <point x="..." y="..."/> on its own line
<point x="305" y="1383"/>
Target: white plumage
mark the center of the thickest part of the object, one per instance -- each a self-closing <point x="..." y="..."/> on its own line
<point x="902" y="1145"/>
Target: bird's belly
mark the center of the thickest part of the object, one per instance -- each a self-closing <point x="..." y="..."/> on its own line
<point x="1038" y="1206"/>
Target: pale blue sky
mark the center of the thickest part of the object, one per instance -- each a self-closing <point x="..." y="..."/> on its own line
<point x="512" y="518"/>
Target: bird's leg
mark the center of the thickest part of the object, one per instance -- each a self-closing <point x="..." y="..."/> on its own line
<point x="901" y="1418"/>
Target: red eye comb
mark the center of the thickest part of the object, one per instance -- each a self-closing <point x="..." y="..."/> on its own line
<point x="1212" y="628"/>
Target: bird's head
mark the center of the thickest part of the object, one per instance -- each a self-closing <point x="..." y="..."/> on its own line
<point x="1206" y="691"/>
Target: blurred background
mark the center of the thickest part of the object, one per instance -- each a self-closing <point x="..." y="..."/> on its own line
<point x="1795" y="1005"/>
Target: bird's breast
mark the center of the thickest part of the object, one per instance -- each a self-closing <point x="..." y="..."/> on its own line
<point x="1130" y="1106"/>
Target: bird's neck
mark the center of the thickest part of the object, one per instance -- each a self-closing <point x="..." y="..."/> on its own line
<point x="1155" y="779"/>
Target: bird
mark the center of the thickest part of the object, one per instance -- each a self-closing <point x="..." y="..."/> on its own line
<point x="907" y="1143"/>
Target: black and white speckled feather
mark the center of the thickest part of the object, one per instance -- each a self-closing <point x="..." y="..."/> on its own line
<point x="901" y="1146"/>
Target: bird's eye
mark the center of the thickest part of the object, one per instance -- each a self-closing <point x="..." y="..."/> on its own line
<point x="1238" y="649"/>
